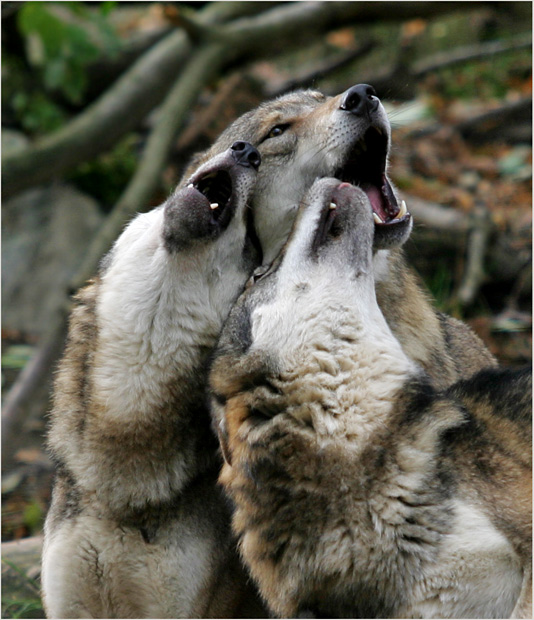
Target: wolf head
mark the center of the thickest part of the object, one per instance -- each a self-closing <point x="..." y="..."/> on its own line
<point x="325" y="268"/>
<point x="311" y="316"/>
<point x="170" y="280"/>
<point x="306" y="135"/>
<point x="214" y="196"/>
<point x="203" y="226"/>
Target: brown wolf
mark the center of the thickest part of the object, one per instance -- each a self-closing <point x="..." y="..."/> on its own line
<point x="361" y="491"/>
<point x="306" y="135"/>
<point x="138" y="527"/>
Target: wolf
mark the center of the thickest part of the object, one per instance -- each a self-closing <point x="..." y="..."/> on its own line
<point x="306" y="135"/>
<point x="138" y="527"/>
<point x="140" y="309"/>
<point x="362" y="490"/>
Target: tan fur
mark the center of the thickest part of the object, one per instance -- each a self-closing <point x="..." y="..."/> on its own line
<point x="116" y="561"/>
<point x="138" y="527"/>
<point x="361" y="490"/>
<point x="445" y="347"/>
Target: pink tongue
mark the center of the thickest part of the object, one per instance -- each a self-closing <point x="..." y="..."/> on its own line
<point x="377" y="202"/>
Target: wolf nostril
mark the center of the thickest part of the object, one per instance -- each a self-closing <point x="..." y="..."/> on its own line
<point x="239" y="146"/>
<point x="245" y="154"/>
<point x="254" y="158"/>
<point x="360" y="100"/>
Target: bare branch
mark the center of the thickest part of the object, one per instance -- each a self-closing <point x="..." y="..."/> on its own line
<point x="477" y="246"/>
<point x="116" y="112"/>
<point x="306" y="80"/>
<point x="125" y="104"/>
<point x="513" y="119"/>
<point x="433" y="215"/>
<point x="184" y="18"/>
<point x="36" y="374"/>
<point x="470" y="52"/>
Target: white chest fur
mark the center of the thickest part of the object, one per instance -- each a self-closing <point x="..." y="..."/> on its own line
<point x="476" y="574"/>
<point x="157" y="312"/>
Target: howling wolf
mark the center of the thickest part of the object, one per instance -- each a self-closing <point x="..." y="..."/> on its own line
<point x="361" y="490"/>
<point x="305" y="135"/>
<point x="138" y="527"/>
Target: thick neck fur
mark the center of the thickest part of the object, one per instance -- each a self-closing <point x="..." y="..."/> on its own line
<point x="133" y="373"/>
<point x="158" y="316"/>
<point x="342" y="487"/>
<point x="340" y="364"/>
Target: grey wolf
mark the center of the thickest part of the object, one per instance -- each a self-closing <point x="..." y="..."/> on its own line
<point x="300" y="136"/>
<point x="305" y="135"/>
<point x="361" y="490"/>
<point x="138" y="527"/>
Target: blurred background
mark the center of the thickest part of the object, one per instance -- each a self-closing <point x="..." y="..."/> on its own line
<point x="103" y="104"/>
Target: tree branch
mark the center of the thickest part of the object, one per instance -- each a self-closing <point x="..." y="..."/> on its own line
<point x="477" y="246"/>
<point x="508" y="119"/>
<point x="125" y="104"/>
<point x="201" y="68"/>
<point x="116" y="112"/>
<point x="320" y="70"/>
<point x="471" y="52"/>
<point x="37" y="372"/>
<point x="433" y="215"/>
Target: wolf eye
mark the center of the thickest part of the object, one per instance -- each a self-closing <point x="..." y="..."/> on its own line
<point x="276" y="131"/>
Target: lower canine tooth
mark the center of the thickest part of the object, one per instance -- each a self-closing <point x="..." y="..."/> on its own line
<point x="403" y="210"/>
<point x="190" y="185"/>
<point x="332" y="205"/>
<point x="214" y="205"/>
<point x="377" y="218"/>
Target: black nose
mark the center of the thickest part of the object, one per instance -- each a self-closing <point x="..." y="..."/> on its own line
<point x="360" y="100"/>
<point x="245" y="154"/>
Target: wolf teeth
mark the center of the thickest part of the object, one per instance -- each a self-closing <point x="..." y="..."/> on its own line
<point x="377" y="218"/>
<point x="332" y="205"/>
<point x="214" y="205"/>
<point x="402" y="211"/>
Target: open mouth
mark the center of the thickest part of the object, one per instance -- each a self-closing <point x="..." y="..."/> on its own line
<point x="217" y="188"/>
<point x="365" y="167"/>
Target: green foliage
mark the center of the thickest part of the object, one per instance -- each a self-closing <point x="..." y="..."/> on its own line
<point x="26" y="602"/>
<point x="27" y="580"/>
<point x="488" y="79"/>
<point x="17" y="356"/>
<point x="105" y="177"/>
<point x="33" y="516"/>
<point x="62" y="38"/>
<point x="441" y="285"/>
<point x="23" y="608"/>
<point x="36" y="112"/>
